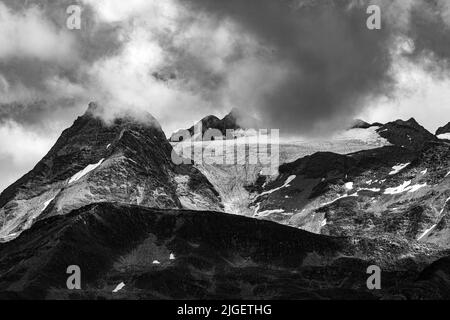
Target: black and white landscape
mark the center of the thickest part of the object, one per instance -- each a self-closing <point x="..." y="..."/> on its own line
<point x="96" y="174"/>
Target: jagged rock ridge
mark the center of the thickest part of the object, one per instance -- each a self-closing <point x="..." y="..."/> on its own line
<point x="407" y="134"/>
<point x="84" y="205"/>
<point x="401" y="192"/>
<point x="235" y="120"/>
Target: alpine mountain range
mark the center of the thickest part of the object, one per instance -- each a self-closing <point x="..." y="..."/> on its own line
<point x="108" y="198"/>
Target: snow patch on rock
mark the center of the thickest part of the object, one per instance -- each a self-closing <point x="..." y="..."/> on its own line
<point x="349" y="185"/>
<point x="119" y="287"/>
<point x="444" y="136"/>
<point x="427" y="232"/>
<point x="370" y="189"/>
<point x="417" y="187"/>
<point x="369" y="135"/>
<point x="341" y="197"/>
<point x="396" y="169"/>
<point x="399" y="189"/>
<point x="46" y="203"/>
<point x="445" y="204"/>
<point x="85" y="171"/>
<point x="405" y="187"/>
<point x="268" y="212"/>
<point x="285" y="185"/>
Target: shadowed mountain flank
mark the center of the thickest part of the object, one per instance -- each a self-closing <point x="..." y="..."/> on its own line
<point x="126" y="161"/>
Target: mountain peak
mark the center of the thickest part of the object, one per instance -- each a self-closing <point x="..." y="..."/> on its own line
<point x="408" y="134"/>
<point x="126" y="161"/>
<point x="213" y="122"/>
<point x="443" y="130"/>
<point x="413" y="122"/>
<point x="121" y="117"/>
<point x="93" y="108"/>
<point x="234" y="120"/>
<point x="360" y="124"/>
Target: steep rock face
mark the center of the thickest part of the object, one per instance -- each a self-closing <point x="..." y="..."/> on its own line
<point x="387" y="192"/>
<point x="407" y="134"/>
<point x="127" y="161"/>
<point x="167" y="254"/>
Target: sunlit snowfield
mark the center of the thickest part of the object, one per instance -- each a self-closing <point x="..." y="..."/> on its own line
<point x="230" y="179"/>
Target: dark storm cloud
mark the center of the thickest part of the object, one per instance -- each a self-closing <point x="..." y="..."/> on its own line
<point x="307" y="63"/>
<point x="333" y="61"/>
<point x="430" y="32"/>
<point x="40" y="115"/>
<point x="335" y="64"/>
<point x="46" y="84"/>
<point x="24" y="114"/>
<point x="95" y="39"/>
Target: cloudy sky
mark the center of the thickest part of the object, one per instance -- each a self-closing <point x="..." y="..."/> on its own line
<point x="306" y="66"/>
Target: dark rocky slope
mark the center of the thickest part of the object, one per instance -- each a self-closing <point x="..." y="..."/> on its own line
<point x="113" y="243"/>
<point x="164" y="254"/>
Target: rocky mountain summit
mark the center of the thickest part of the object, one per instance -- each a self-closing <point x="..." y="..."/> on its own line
<point x="406" y="134"/>
<point x="361" y="124"/>
<point x="235" y="120"/>
<point x="126" y="161"/>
